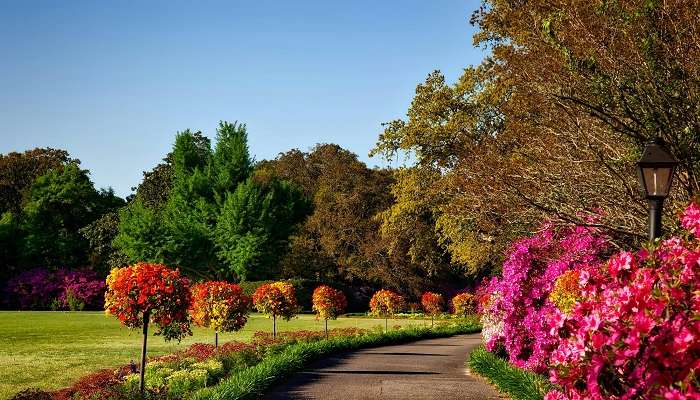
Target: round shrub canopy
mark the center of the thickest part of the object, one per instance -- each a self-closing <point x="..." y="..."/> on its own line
<point x="432" y="303"/>
<point x="386" y="303"/>
<point x="276" y="299"/>
<point x="464" y="304"/>
<point x="328" y="303"/>
<point x="219" y="305"/>
<point x="154" y="289"/>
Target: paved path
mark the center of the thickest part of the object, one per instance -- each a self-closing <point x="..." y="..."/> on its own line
<point x="426" y="369"/>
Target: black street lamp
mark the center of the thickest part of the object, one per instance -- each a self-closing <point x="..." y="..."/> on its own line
<point x="656" y="169"/>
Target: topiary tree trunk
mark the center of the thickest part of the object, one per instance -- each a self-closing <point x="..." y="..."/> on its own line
<point x="142" y="372"/>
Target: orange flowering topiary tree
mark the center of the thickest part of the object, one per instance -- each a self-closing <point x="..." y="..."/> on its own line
<point x="144" y="293"/>
<point x="276" y="299"/>
<point x="433" y="303"/>
<point x="328" y="303"/>
<point x="221" y="306"/>
<point x="464" y="304"/>
<point x="385" y="303"/>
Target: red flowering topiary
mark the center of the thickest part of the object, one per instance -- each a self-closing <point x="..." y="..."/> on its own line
<point x="276" y="299"/>
<point x="221" y="306"/>
<point x="432" y="303"/>
<point x="328" y="303"/>
<point x="144" y="293"/>
<point x="385" y="303"/>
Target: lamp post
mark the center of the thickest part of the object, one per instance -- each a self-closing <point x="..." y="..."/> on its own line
<point x="656" y="169"/>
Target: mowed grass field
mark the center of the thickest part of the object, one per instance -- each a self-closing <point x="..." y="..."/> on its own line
<point x="50" y="350"/>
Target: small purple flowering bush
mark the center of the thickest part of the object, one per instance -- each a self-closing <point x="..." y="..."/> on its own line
<point x="41" y="289"/>
<point x="622" y="328"/>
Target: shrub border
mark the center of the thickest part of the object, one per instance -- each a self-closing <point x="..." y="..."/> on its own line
<point x="253" y="381"/>
<point x="515" y="382"/>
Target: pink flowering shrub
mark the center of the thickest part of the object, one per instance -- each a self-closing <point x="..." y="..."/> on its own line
<point x="40" y="288"/>
<point x="515" y="314"/>
<point x="635" y="332"/>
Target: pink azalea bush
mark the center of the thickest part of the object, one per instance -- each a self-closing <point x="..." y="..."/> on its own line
<point x="40" y="288"/>
<point x="635" y="332"/>
<point x="515" y="314"/>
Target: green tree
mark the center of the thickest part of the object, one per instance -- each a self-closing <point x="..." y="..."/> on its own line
<point x="18" y="171"/>
<point x="60" y="203"/>
<point x="254" y="226"/>
<point x="142" y="235"/>
<point x="231" y="160"/>
<point x="100" y="235"/>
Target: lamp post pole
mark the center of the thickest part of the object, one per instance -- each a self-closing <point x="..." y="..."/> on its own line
<point x="655" y="211"/>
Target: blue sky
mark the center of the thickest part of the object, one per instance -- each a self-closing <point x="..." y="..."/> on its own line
<point x="111" y="82"/>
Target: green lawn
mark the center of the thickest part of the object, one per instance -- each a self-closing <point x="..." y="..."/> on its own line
<point x="50" y="350"/>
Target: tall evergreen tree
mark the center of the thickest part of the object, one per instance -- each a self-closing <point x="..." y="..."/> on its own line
<point x="254" y="226"/>
<point x="231" y="162"/>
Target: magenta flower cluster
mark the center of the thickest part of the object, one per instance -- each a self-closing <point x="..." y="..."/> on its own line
<point x="40" y="289"/>
<point x="635" y="333"/>
<point x="520" y="295"/>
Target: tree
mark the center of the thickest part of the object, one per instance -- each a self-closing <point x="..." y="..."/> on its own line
<point x="59" y="204"/>
<point x="328" y="303"/>
<point x="221" y="306"/>
<point x="18" y="171"/>
<point x="551" y="124"/>
<point x="142" y="236"/>
<point x="276" y="299"/>
<point x="464" y="304"/>
<point x="433" y="304"/>
<point x="100" y="235"/>
<point x="144" y="293"/>
<point x="254" y="225"/>
<point x="385" y="303"/>
<point x="231" y="160"/>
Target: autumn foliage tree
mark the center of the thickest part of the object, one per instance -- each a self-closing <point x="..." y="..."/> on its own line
<point x="385" y="303"/>
<point x="328" y="303"/>
<point x="432" y="303"/>
<point x="144" y="293"/>
<point x="464" y="304"/>
<point x="276" y="299"/>
<point x="221" y="306"/>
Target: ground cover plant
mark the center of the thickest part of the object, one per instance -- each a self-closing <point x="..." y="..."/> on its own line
<point x="50" y="350"/>
<point x="515" y="382"/>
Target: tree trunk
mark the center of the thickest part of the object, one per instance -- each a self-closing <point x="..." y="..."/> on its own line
<point x="216" y="338"/>
<point x="432" y="321"/>
<point x="326" y="328"/>
<point x="274" y="326"/>
<point x="142" y="372"/>
<point x="386" y="325"/>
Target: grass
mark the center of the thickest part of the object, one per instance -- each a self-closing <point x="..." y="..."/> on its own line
<point x="250" y="383"/>
<point x="515" y="382"/>
<point x="50" y="350"/>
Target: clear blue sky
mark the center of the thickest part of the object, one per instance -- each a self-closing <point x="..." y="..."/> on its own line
<point x="111" y="82"/>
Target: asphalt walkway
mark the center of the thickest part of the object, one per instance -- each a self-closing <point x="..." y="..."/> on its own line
<point x="425" y="369"/>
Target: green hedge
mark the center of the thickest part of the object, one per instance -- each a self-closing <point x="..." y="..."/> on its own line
<point x="252" y="382"/>
<point x="304" y="290"/>
<point x="515" y="382"/>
